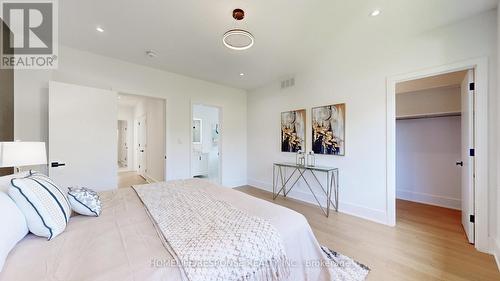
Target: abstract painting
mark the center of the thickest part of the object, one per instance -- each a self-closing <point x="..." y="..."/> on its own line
<point x="328" y="129"/>
<point x="293" y="130"/>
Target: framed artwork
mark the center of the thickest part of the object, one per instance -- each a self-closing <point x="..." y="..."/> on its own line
<point x="328" y="129"/>
<point x="293" y="130"/>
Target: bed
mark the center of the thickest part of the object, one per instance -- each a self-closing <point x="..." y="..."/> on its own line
<point x="124" y="243"/>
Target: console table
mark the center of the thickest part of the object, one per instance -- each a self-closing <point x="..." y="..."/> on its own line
<point x="281" y="180"/>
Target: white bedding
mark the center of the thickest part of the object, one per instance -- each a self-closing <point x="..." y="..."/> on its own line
<point x="122" y="244"/>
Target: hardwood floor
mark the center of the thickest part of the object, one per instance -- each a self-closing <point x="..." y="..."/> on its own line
<point x="127" y="179"/>
<point x="428" y="243"/>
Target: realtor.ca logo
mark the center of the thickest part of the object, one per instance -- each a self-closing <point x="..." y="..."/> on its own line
<point x="29" y="34"/>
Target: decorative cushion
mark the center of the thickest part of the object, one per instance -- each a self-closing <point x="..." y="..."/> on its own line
<point x="84" y="201"/>
<point x="42" y="202"/>
<point x="13" y="226"/>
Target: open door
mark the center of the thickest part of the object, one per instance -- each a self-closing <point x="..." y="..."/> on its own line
<point x="467" y="161"/>
<point x="82" y="136"/>
<point x="142" y="143"/>
<point x="122" y="144"/>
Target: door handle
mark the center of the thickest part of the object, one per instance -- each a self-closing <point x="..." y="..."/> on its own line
<point x="57" y="164"/>
<point x="142" y="150"/>
<point x="461" y="163"/>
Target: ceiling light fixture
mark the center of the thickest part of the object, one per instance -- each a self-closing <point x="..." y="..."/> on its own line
<point x="375" y="13"/>
<point x="100" y="29"/>
<point x="238" y="39"/>
<point x="242" y="74"/>
<point x="238" y="14"/>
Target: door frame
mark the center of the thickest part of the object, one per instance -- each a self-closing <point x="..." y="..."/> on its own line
<point x="165" y="119"/>
<point x="141" y="119"/>
<point x="481" y="204"/>
<point x="221" y="127"/>
<point x="128" y="145"/>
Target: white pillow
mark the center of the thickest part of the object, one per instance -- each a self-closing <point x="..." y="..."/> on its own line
<point x="5" y="180"/>
<point x="44" y="205"/>
<point x="13" y="226"/>
<point x="84" y="201"/>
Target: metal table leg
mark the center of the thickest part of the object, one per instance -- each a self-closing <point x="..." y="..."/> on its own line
<point x="284" y="182"/>
<point x="332" y="184"/>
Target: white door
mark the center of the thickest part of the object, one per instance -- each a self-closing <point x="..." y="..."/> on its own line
<point x="142" y="146"/>
<point x="214" y="159"/>
<point x="122" y="143"/>
<point x="467" y="160"/>
<point x="82" y="136"/>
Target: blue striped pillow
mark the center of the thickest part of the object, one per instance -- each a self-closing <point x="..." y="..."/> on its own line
<point x="42" y="202"/>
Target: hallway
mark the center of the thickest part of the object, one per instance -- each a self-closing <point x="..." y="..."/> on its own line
<point x="129" y="178"/>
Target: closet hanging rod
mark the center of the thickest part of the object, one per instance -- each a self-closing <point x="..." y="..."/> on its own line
<point x="428" y="116"/>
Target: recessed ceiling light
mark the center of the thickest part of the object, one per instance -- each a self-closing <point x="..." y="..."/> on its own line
<point x="100" y="29"/>
<point x="242" y="74"/>
<point x="375" y="13"/>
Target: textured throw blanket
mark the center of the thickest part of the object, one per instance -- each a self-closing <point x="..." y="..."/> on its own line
<point x="210" y="239"/>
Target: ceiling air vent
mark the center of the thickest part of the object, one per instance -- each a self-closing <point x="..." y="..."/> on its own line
<point x="288" y="83"/>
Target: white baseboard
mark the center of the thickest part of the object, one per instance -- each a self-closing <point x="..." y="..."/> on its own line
<point x="429" y="199"/>
<point x="150" y="179"/>
<point x="234" y="183"/>
<point x="344" y="207"/>
<point x="496" y="251"/>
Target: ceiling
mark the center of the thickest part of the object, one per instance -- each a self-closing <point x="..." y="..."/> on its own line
<point x="452" y="79"/>
<point x="187" y="34"/>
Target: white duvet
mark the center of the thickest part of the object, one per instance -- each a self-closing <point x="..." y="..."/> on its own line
<point x="122" y="244"/>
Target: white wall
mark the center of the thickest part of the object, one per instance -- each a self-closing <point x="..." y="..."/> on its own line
<point x="355" y="72"/>
<point x="495" y="208"/>
<point x="31" y="118"/>
<point x="426" y="152"/>
<point x="433" y="101"/>
<point x="83" y="68"/>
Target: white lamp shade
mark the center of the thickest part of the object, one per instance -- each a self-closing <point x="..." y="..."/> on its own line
<point x="17" y="154"/>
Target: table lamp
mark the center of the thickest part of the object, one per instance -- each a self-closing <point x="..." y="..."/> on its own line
<point x="20" y="153"/>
